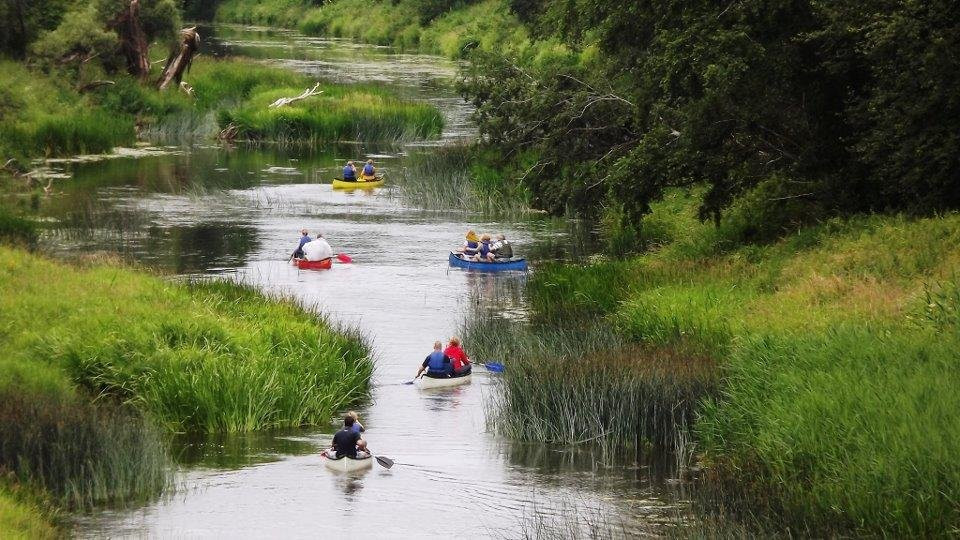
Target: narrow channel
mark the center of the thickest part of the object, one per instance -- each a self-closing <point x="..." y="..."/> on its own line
<point x="198" y="211"/>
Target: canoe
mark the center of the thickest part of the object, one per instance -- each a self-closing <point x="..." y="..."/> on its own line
<point x="346" y="464"/>
<point x="426" y="383"/>
<point x="496" y="266"/>
<point x="339" y="183"/>
<point x="304" y="264"/>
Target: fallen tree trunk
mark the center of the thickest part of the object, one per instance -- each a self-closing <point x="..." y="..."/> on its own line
<point x="133" y="40"/>
<point x="180" y="59"/>
<point x="315" y="91"/>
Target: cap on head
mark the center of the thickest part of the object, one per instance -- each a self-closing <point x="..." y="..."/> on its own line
<point x="471" y="236"/>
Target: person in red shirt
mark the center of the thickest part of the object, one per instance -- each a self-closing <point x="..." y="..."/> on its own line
<point x="458" y="358"/>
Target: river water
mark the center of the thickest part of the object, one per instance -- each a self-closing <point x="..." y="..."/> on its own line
<point x="235" y="212"/>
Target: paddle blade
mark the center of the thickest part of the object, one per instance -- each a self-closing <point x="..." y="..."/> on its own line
<point x="495" y="367"/>
<point x="385" y="462"/>
<point x="344" y="258"/>
<point x="408" y="382"/>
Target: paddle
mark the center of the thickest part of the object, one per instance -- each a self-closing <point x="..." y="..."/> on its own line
<point x="411" y="381"/>
<point x="384" y="462"/>
<point x="495" y="367"/>
<point x="344" y="258"/>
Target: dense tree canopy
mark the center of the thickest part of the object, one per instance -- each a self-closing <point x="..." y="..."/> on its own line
<point x="795" y="108"/>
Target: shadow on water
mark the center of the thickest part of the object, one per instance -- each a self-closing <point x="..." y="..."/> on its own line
<point x="238" y="450"/>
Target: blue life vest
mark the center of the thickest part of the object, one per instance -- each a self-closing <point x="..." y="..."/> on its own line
<point x="368" y="170"/>
<point x="349" y="173"/>
<point x="484" y="248"/>
<point x="436" y="363"/>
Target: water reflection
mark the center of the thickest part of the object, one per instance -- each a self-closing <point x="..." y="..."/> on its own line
<point x="237" y="450"/>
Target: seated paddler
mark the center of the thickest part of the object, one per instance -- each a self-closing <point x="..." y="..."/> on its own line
<point x="437" y="364"/>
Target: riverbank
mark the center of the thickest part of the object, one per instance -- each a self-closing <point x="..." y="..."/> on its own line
<point x="836" y="348"/>
<point x="407" y="25"/>
<point x="207" y="356"/>
<point x="49" y="117"/>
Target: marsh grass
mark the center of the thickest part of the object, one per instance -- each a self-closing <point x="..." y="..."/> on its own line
<point x="338" y="115"/>
<point x="837" y="351"/>
<point x="82" y="454"/>
<point x="451" y="178"/>
<point x="240" y="361"/>
<point x="583" y="384"/>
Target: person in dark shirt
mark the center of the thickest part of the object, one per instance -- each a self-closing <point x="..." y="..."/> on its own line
<point x="347" y="442"/>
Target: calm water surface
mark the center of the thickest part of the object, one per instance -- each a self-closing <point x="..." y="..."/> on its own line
<point x="205" y="211"/>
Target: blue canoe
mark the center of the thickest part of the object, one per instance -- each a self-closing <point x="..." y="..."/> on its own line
<point x="498" y="266"/>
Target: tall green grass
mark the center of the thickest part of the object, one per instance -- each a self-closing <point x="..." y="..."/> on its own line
<point x="40" y="116"/>
<point x="238" y="362"/>
<point x="579" y="384"/>
<point x="837" y="349"/>
<point x="453" y="178"/>
<point x="336" y="115"/>
<point x="80" y="453"/>
<point x="17" y="230"/>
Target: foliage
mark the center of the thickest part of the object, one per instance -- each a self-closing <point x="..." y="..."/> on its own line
<point x="24" y="20"/>
<point x="87" y="31"/>
<point x="813" y="109"/>
<point x="24" y="518"/>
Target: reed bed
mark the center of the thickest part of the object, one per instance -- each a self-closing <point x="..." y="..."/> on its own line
<point x="239" y="362"/>
<point x="451" y="178"/>
<point x="357" y="115"/>
<point x="81" y="454"/>
<point x="584" y="384"/>
<point x="836" y="349"/>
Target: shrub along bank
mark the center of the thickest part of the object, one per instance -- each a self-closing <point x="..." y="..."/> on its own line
<point x="211" y="356"/>
<point x="450" y="29"/>
<point x="837" y="352"/>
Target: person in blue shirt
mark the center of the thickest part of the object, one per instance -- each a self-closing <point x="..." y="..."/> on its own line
<point x="437" y="364"/>
<point x="369" y="171"/>
<point x="350" y="172"/>
<point x="304" y="238"/>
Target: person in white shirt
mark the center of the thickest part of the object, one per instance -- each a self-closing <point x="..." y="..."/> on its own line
<point x="318" y="249"/>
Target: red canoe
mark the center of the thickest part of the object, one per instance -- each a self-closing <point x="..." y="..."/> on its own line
<point x="304" y="264"/>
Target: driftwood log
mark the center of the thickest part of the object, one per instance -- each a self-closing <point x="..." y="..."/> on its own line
<point x="133" y="40"/>
<point x="315" y="91"/>
<point x="180" y="58"/>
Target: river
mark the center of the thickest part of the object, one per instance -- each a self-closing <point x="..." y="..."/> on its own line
<point x="206" y="210"/>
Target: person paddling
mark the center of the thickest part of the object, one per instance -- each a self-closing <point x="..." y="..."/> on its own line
<point x="304" y="238"/>
<point x="458" y="358"/>
<point x="349" y="172"/>
<point x="501" y="248"/>
<point x="436" y="363"/>
<point x="347" y="442"/>
<point x="369" y="171"/>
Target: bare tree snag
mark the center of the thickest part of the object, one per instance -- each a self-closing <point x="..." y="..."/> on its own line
<point x="315" y="91"/>
<point x="180" y="59"/>
<point x="133" y="40"/>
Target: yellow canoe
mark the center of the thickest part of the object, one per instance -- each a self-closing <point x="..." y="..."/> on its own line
<point x="339" y="183"/>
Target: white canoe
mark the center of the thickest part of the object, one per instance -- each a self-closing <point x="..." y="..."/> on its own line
<point x="429" y="382"/>
<point x="346" y="464"/>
